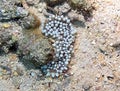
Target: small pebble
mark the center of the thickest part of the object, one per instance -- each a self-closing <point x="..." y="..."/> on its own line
<point x="32" y="74"/>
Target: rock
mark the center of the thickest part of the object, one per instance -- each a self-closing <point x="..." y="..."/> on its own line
<point x="87" y="86"/>
<point x="10" y="11"/>
<point x="6" y="41"/>
<point x="63" y="8"/>
<point x="37" y="50"/>
<point x="6" y="25"/>
<point x="27" y="22"/>
<point x="5" y="70"/>
<point x="32" y="2"/>
<point x="35" y="74"/>
<point x="54" y="2"/>
<point x="20" y="69"/>
<point x="41" y="7"/>
<point x="78" y="3"/>
<point x="83" y="6"/>
<point x="21" y="12"/>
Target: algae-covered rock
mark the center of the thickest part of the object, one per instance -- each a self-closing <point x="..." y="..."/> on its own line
<point x="78" y="3"/>
<point x="29" y="22"/>
<point x="83" y="6"/>
<point x="7" y="41"/>
<point x="10" y="11"/>
<point x="35" y="49"/>
<point x="54" y="2"/>
<point x="32" y="2"/>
